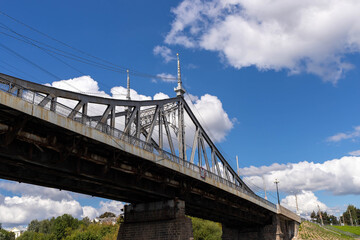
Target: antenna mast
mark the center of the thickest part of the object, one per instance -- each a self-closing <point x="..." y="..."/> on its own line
<point x="180" y="93"/>
<point x="179" y="89"/>
<point x="128" y="86"/>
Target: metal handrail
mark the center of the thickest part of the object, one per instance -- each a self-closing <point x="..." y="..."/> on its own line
<point x="35" y="98"/>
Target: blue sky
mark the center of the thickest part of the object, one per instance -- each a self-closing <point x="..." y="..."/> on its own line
<point x="284" y="75"/>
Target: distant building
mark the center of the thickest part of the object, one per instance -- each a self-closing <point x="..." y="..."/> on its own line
<point x="106" y="220"/>
<point x="18" y="231"/>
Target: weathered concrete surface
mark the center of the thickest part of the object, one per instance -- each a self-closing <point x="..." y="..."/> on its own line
<point x="156" y="221"/>
<point x="281" y="228"/>
<point x="287" y="213"/>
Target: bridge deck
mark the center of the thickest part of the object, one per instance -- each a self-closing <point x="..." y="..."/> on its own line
<point x="55" y="151"/>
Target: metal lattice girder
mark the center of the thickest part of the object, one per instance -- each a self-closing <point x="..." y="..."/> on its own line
<point x="139" y="120"/>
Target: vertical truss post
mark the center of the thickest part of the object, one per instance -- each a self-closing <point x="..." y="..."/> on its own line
<point x="53" y="104"/>
<point x="112" y="119"/>
<point x="84" y="112"/>
<point x="20" y="92"/>
<point x="161" y="139"/>
<point x="199" y="151"/>
<point x="181" y="134"/>
<point x="168" y="134"/>
<point x="137" y="122"/>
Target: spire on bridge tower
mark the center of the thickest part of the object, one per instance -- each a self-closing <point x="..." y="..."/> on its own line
<point x="181" y="134"/>
<point x="179" y="89"/>
<point x="128" y="86"/>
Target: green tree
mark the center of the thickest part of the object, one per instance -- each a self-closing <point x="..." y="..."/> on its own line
<point x="313" y="216"/>
<point x="5" y="235"/>
<point x="107" y="214"/>
<point x="333" y="220"/>
<point x="45" y="226"/>
<point x="206" y="230"/>
<point x="86" y="221"/>
<point x="34" y="226"/>
<point x="35" y="236"/>
<point x="63" y="226"/>
<point x="351" y="209"/>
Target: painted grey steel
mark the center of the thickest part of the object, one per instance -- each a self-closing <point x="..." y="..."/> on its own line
<point x="142" y="117"/>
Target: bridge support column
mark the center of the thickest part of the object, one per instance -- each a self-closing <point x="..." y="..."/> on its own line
<point x="156" y="220"/>
<point x="279" y="229"/>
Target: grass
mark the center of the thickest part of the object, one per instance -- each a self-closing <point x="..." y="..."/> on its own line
<point x="311" y="231"/>
<point x="350" y="229"/>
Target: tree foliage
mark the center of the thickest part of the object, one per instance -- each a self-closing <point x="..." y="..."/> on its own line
<point x="327" y="218"/>
<point x="355" y="215"/>
<point x="66" y="227"/>
<point x="5" y="235"/>
<point x="206" y="230"/>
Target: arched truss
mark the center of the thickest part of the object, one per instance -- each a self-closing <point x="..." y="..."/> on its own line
<point x="167" y="126"/>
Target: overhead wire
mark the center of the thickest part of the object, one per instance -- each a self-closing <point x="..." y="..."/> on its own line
<point x="47" y="51"/>
<point x="19" y="70"/>
<point x="134" y="72"/>
<point x="29" y="61"/>
<point x="111" y="66"/>
<point x="62" y="53"/>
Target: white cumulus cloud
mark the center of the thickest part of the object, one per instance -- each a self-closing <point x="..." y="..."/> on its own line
<point x="209" y="111"/>
<point x="31" y="202"/>
<point x="342" y="136"/>
<point x="299" y="36"/>
<point x="28" y="189"/>
<point x="18" y="210"/>
<point x="307" y="203"/>
<point x="166" y="77"/>
<point x="164" y="52"/>
<point x="355" y="153"/>
<point x="83" y="84"/>
<point x="111" y="206"/>
<point x="90" y="212"/>
<point x="338" y="176"/>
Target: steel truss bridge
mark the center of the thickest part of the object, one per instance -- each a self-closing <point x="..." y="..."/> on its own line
<point x="132" y="151"/>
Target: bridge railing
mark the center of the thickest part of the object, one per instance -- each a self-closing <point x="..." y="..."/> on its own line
<point x="63" y="110"/>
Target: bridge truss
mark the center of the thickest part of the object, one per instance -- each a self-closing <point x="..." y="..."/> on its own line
<point x="166" y="127"/>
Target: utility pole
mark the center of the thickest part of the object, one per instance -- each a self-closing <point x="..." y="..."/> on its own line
<point x="128" y="86"/>
<point x="127" y="97"/>
<point x="237" y="165"/>
<point x="277" y="189"/>
<point x="264" y="187"/>
<point x="351" y="220"/>
<point x="322" y="223"/>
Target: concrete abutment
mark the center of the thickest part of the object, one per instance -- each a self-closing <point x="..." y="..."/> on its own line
<point x="156" y="221"/>
<point x="166" y="220"/>
<point x="279" y="229"/>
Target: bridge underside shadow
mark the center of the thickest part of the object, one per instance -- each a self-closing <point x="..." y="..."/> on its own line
<point x="35" y="151"/>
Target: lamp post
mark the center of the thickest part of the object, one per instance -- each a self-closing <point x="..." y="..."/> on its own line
<point x="277" y="189"/>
